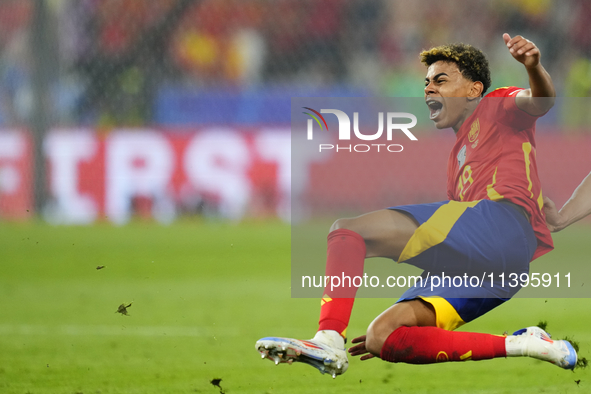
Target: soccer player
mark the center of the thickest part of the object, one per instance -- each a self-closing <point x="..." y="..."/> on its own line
<point x="492" y="223"/>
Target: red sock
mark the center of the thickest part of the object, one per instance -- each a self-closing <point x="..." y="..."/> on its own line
<point x="344" y="259"/>
<point x="427" y="345"/>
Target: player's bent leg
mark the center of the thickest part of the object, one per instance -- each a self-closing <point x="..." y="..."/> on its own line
<point x="403" y="314"/>
<point x="377" y="234"/>
<point x="407" y="333"/>
<point x="381" y="233"/>
<point x="385" y="232"/>
<point x="410" y="332"/>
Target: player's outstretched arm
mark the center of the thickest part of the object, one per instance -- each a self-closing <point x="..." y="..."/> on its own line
<point x="576" y="208"/>
<point x="538" y="99"/>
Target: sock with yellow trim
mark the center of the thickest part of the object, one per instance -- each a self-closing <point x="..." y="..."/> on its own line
<point x="344" y="259"/>
<point x="427" y="345"/>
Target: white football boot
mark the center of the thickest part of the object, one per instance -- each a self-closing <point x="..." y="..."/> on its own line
<point x="325" y="352"/>
<point x="537" y="343"/>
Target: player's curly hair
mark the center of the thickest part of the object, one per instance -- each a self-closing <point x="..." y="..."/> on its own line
<point x="471" y="61"/>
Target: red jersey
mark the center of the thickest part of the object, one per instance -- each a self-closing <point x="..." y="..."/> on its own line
<point x="494" y="158"/>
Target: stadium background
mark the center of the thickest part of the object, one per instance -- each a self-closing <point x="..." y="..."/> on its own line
<point x="172" y="117"/>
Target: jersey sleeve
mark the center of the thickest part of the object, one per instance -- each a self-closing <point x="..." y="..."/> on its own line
<point x="511" y="115"/>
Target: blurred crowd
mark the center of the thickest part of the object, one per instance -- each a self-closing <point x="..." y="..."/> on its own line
<point x="111" y="58"/>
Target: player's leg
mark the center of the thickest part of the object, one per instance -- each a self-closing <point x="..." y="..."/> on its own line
<point x="382" y="233"/>
<point x="385" y="232"/>
<point x="407" y="332"/>
<point x="502" y="240"/>
<point x="377" y="234"/>
<point x="413" y="313"/>
<point x="446" y="234"/>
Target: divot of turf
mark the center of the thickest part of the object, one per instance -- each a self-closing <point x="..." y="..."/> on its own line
<point x="123" y="309"/>
<point x="216" y="383"/>
<point x="543" y="324"/>
<point x="581" y="361"/>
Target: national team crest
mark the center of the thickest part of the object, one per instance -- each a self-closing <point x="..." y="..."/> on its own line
<point x="474" y="130"/>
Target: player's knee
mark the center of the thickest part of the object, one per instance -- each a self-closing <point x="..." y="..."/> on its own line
<point x="342" y="224"/>
<point x="377" y="334"/>
<point x="353" y="224"/>
<point x="374" y="343"/>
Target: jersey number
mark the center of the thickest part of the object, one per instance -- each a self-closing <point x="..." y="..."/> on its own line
<point x="465" y="181"/>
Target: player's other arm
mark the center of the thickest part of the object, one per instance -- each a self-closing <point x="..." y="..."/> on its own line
<point x="576" y="208"/>
<point x="539" y="98"/>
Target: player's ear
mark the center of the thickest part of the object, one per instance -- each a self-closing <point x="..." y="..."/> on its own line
<point x="476" y="89"/>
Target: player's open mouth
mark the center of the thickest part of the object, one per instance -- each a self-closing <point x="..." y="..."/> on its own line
<point x="435" y="107"/>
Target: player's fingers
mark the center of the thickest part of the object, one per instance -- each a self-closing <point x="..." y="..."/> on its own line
<point x="552" y="215"/>
<point x="358" y="352"/>
<point x="548" y="203"/>
<point x="514" y="40"/>
<point x="367" y="357"/>
<point x="357" y="348"/>
<point x="527" y="47"/>
<point x="518" y="45"/>
<point x="506" y="38"/>
<point x="533" y="51"/>
<point x="358" y="339"/>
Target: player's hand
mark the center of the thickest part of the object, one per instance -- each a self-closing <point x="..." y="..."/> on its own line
<point x="523" y="50"/>
<point x="360" y="350"/>
<point x="553" y="218"/>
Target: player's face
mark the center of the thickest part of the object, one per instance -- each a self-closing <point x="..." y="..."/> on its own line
<point x="444" y="81"/>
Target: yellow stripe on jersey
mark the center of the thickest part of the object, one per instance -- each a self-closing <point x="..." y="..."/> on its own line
<point x="540" y="200"/>
<point x="446" y="316"/>
<point x="526" y="152"/>
<point x="490" y="190"/>
<point x="435" y="230"/>
<point x="466" y="356"/>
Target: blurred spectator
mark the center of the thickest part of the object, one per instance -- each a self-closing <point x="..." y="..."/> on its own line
<point x="116" y="56"/>
<point x="211" y="53"/>
<point x="15" y="82"/>
<point x="576" y="112"/>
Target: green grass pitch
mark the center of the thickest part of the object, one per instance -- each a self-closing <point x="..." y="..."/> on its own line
<point x="201" y="294"/>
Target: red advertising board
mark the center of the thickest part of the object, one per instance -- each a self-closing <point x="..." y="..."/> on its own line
<point x="16" y="161"/>
<point x="234" y="173"/>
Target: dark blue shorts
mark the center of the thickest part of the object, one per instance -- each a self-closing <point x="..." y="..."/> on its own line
<point x="463" y="248"/>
